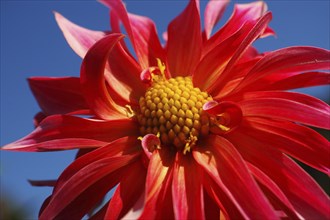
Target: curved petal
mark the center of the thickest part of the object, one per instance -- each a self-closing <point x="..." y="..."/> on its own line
<point x="44" y="205"/>
<point x="229" y="208"/>
<point x="274" y="193"/>
<point x="184" y="41"/>
<point x="80" y="39"/>
<point x="84" y="182"/>
<point x="137" y="208"/>
<point x="115" y="26"/>
<point x="85" y="188"/>
<point x="142" y="33"/>
<point x="302" y="191"/>
<point x="50" y="183"/>
<point x="147" y="44"/>
<point x="158" y="199"/>
<point x="213" y="13"/>
<point x="238" y="72"/>
<point x="127" y="194"/>
<point x="212" y="211"/>
<point x="117" y="148"/>
<point x="53" y="145"/>
<point x="291" y="139"/>
<point x="223" y="163"/>
<point x="83" y="151"/>
<point x="38" y="118"/>
<point x="93" y="80"/>
<point x="60" y="132"/>
<point x="211" y="73"/>
<point x="123" y="76"/>
<point x="225" y="116"/>
<point x="99" y="215"/>
<point x="286" y="81"/>
<point x="295" y="81"/>
<point x="249" y="54"/>
<point x="288" y="106"/>
<point x="213" y="63"/>
<point x="187" y="189"/>
<point x="287" y="60"/>
<point x="58" y="95"/>
<point x="246" y="43"/>
<point x="242" y="13"/>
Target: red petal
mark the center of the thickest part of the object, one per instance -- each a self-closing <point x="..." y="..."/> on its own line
<point x="142" y="33"/>
<point x="252" y="34"/>
<point x="58" y="95"/>
<point x="118" y="150"/>
<point x="291" y="139"/>
<point x="274" y="192"/>
<point x="213" y="13"/>
<point x="83" y="151"/>
<point x="223" y="198"/>
<point x="60" y="132"/>
<point x="288" y="80"/>
<point x="146" y="40"/>
<point x="74" y="197"/>
<point x="239" y="71"/>
<point x="93" y="79"/>
<point x="42" y="182"/>
<point x="99" y="215"/>
<point x="38" y="118"/>
<point x="297" y="81"/>
<point x="149" y="143"/>
<point x="288" y="106"/>
<point x="212" y="211"/>
<point x="213" y="63"/>
<point x="123" y="76"/>
<point x="301" y="190"/>
<point x="184" y="41"/>
<point x="242" y="13"/>
<point x="115" y="26"/>
<point x="128" y="192"/>
<point x="226" y="114"/>
<point x="158" y="200"/>
<point x="210" y="72"/>
<point x="187" y="189"/>
<point x="224" y="164"/>
<point x="249" y="54"/>
<point x="80" y="39"/>
<point x="137" y="209"/>
<point x="120" y="147"/>
<point x="287" y="60"/>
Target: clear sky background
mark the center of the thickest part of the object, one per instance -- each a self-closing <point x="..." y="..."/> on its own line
<point x="33" y="45"/>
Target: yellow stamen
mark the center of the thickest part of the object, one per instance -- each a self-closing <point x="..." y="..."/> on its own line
<point x="190" y="143"/>
<point x="222" y="127"/>
<point x="161" y="67"/>
<point x="220" y="121"/>
<point x="129" y="111"/>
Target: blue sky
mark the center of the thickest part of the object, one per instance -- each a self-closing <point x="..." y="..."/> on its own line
<point x="33" y="45"/>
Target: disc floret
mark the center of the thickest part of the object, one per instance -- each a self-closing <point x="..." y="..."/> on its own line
<point x="174" y="109"/>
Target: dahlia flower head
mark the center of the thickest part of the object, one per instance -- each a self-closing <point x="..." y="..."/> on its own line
<point x="201" y="126"/>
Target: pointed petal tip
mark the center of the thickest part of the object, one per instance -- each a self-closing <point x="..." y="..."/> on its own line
<point x="93" y="79"/>
<point x="14" y="147"/>
<point x="59" y="18"/>
<point x="79" y="38"/>
<point x="57" y="14"/>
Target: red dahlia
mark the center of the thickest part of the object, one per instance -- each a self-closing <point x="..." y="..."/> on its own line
<point x="199" y="128"/>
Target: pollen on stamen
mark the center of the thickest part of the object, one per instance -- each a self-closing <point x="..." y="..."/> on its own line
<point x="129" y="111"/>
<point x="174" y="109"/>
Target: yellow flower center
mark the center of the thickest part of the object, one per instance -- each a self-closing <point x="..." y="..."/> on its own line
<point x="173" y="110"/>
